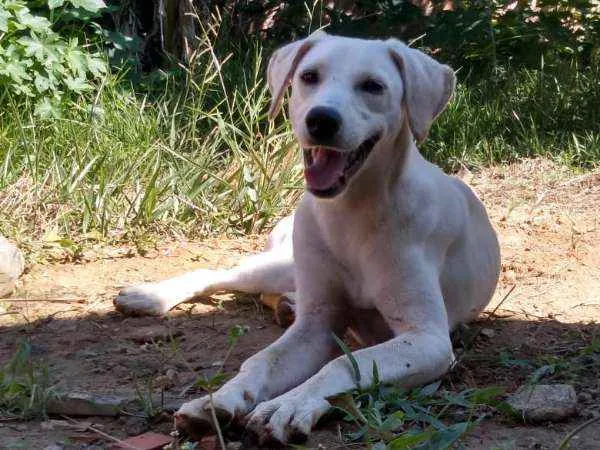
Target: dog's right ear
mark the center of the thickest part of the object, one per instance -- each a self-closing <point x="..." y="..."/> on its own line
<point x="282" y="66"/>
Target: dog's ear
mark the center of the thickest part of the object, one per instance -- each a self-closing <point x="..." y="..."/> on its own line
<point x="282" y="66"/>
<point x="428" y="86"/>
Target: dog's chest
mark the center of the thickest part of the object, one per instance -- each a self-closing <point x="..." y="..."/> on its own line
<point x="364" y="275"/>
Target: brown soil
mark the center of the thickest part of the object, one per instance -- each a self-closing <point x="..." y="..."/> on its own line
<point x="547" y="220"/>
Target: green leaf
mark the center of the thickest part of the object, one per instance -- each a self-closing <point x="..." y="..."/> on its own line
<point x="237" y="332"/>
<point x="375" y="374"/>
<point x="15" y="69"/>
<point x="76" y="61"/>
<point x="407" y="441"/>
<point x="213" y="382"/>
<point x="430" y="389"/>
<point x="89" y="5"/>
<point x="47" y="109"/>
<point x="445" y="438"/>
<point x="4" y="16"/>
<point x="394" y="421"/>
<point x="42" y="83"/>
<point x="55" y="3"/>
<point x="45" y="50"/>
<point x="348" y="353"/>
<point x="77" y="84"/>
<point x="96" y="66"/>
<point x="35" y="23"/>
<point x="486" y="396"/>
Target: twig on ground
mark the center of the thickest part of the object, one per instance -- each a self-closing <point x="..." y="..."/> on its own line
<point x="101" y="433"/>
<point x="213" y="414"/>
<point x="47" y="300"/>
<point x="577" y="429"/>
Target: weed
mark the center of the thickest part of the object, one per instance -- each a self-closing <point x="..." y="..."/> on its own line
<point x="215" y="381"/>
<point x="24" y="385"/>
<point x="421" y="418"/>
<point x="144" y="399"/>
<point x="394" y="418"/>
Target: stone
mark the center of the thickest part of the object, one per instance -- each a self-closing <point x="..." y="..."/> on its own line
<point x="544" y="402"/>
<point x="11" y="266"/>
<point x="488" y="332"/>
<point x="584" y="397"/>
<point x="54" y="447"/>
<point x="86" y="404"/>
<point x="135" y="425"/>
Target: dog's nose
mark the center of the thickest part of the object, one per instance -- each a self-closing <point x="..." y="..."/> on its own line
<point x="323" y="123"/>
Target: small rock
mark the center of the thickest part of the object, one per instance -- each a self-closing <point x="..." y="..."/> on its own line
<point x="172" y="375"/>
<point x="589" y="413"/>
<point x="153" y="334"/>
<point x="135" y="425"/>
<point x="544" y="402"/>
<point x="86" y="404"/>
<point x="54" y="447"/>
<point x="11" y="266"/>
<point x="584" y="397"/>
<point x="510" y="276"/>
<point x="488" y="332"/>
<point x="172" y="404"/>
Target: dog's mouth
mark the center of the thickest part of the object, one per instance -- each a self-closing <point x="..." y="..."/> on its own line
<point x="327" y="170"/>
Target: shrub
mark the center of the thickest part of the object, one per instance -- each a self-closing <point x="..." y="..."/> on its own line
<point x="40" y="63"/>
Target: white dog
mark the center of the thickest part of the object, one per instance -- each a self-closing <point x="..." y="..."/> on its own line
<point x="384" y="243"/>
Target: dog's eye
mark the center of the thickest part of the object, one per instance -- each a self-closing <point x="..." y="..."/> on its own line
<point x="310" y="77"/>
<point x="372" y="87"/>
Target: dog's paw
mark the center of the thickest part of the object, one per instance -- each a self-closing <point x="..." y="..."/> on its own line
<point x="144" y="299"/>
<point x="287" y="418"/>
<point x="195" y="417"/>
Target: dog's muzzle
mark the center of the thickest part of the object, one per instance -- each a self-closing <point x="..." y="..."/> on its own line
<point x="327" y="170"/>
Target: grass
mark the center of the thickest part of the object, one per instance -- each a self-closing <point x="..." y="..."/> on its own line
<point x="389" y="417"/>
<point x="517" y="113"/>
<point x="196" y="156"/>
<point x="190" y="152"/>
<point x="24" y="385"/>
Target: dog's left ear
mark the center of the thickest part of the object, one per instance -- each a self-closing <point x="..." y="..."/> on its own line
<point x="282" y="66"/>
<point x="428" y="86"/>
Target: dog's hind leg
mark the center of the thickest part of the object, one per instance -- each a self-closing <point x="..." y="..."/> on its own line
<point x="268" y="272"/>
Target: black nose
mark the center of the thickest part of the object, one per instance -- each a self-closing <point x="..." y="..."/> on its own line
<point x="323" y="123"/>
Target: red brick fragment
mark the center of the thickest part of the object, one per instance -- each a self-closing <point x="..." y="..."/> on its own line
<point x="209" y="443"/>
<point x="146" y="441"/>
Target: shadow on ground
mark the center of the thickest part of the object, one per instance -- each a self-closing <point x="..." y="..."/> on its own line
<point x="134" y="357"/>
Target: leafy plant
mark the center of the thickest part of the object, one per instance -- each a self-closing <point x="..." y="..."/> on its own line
<point x="38" y="63"/>
<point x="394" y="418"/>
<point x="423" y="418"/>
<point x="210" y="384"/>
<point x="24" y="385"/>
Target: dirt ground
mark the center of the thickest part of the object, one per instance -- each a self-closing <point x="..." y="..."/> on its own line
<point x="547" y="220"/>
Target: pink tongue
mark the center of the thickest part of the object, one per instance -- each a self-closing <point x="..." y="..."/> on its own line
<point x="326" y="169"/>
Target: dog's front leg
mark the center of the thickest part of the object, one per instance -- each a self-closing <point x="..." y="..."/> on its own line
<point x="302" y="350"/>
<point x="409" y="360"/>
<point x="420" y="352"/>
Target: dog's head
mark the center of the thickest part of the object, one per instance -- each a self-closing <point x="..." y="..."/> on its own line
<point x="349" y="95"/>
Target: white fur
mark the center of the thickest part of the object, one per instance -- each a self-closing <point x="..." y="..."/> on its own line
<point x="401" y="256"/>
